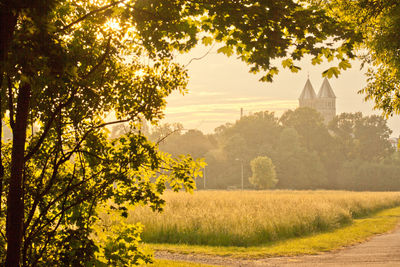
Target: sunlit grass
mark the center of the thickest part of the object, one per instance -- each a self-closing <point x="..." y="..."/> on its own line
<point x="358" y="231"/>
<point x="253" y="218"/>
<point x="167" y="263"/>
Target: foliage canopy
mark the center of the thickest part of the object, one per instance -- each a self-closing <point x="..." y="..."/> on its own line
<point x="66" y="65"/>
<point x="377" y="22"/>
<point x="306" y="153"/>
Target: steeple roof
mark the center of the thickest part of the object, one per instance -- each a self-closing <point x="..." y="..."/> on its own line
<point x="326" y="90"/>
<point x="308" y="91"/>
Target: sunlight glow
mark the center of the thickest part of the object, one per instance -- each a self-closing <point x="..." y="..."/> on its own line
<point x="140" y="73"/>
<point x="112" y="24"/>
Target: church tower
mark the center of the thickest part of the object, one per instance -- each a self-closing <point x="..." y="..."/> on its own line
<point x="308" y="96"/>
<point x="324" y="102"/>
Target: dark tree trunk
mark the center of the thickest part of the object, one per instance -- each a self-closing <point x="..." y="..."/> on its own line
<point x="15" y="204"/>
<point x="8" y="20"/>
<point x="15" y="210"/>
<point x="1" y="147"/>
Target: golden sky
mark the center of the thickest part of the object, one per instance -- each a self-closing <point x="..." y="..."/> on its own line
<point x="219" y="86"/>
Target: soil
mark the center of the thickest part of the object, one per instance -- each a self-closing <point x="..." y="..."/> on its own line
<point x="380" y="250"/>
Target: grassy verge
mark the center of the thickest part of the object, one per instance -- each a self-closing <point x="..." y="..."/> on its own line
<point x="167" y="263"/>
<point x="252" y="218"/>
<point x="360" y="230"/>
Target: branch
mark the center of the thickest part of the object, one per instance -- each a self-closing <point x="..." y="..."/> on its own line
<point x="54" y="229"/>
<point x="110" y="123"/>
<point x="34" y="230"/>
<point x="3" y="236"/>
<point x="36" y="197"/>
<point x="48" y="126"/>
<point x="45" y="210"/>
<point x="166" y="136"/>
<point x="90" y="14"/>
<point x="67" y="103"/>
<point x="106" y="52"/>
<point x="199" y="58"/>
<point x="37" y="228"/>
<point x="78" y="145"/>
<point x="50" y="221"/>
<point x="92" y="155"/>
<point x="60" y="213"/>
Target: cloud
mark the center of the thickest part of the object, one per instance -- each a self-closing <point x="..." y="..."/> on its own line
<point x="229" y="106"/>
<point x="206" y="93"/>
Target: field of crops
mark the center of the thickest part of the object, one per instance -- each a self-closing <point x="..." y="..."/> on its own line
<point x="248" y="218"/>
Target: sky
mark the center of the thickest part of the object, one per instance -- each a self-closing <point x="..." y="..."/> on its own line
<point x="220" y="86"/>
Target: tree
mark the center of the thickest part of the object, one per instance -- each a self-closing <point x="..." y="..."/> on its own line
<point x="362" y="137"/>
<point x="380" y="28"/>
<point x="65" y="65"/>
<point x="65" y="70"/>
<point x="309" y="124"/>
<point x="342" y="127"/>
<point x="192" y="142"/>
<point x="297" y="167"/>
<point x="373" y="135"/>
<point x="316" y="138"/>
<point x="264" y="175"/>
<point x="249" y="128"/>
<point x="369" y="176"/>
<point x="251" y="136"/>
<point x="377" y="22"/>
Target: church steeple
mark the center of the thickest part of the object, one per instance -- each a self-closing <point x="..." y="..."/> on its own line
<point x="308" y="92"/>
<point x="324" y="102"/>
<point x="308" y="96"/>
<point x="326" y="90"/>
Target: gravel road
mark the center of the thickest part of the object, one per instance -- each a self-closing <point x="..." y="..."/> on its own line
<point x="380" y="250"/>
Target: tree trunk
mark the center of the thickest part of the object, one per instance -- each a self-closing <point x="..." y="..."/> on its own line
<point x="8" y="20"/>
<point x="15" y="204"/>
<point x="1" y="147"/>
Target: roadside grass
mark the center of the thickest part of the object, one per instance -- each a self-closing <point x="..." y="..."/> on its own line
<point x="253" y="218"/>
<point x="259" y="224"/>
<point x="168" y="263"/>
<point x="360" y="230"/>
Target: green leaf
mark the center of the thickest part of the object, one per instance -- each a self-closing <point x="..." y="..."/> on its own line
<point x="344" y="65"/>
<point x="287" y="63"/>
<point x="207" y="40"/>
<point x="227" y="50"/>
<point x="295" y="69"/>
<point x="266" y="78"/>
<point x="316" y="60"/>
<point x="273" y="71"/>
<point x="330" y="72"/>
<point x="327" y="53"/>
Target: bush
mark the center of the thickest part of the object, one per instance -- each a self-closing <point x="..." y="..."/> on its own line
<point x="368" y="176"/>
<point x="264" y="175"/>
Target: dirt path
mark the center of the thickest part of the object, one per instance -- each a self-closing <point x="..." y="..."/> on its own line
<point x="380" y="250"/>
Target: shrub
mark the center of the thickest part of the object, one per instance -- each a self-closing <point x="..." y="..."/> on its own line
<point x="264" y="175"/>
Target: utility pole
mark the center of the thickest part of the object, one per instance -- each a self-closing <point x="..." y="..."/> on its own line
<point x="241" y="167"/>
<point x="242" y="173"/>
<point x="204" y="175"/>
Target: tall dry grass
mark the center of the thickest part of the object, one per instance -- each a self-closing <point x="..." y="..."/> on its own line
<point x="234" y="218"/>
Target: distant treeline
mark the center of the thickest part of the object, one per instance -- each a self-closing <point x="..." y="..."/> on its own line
<point x="352" y="152"/>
